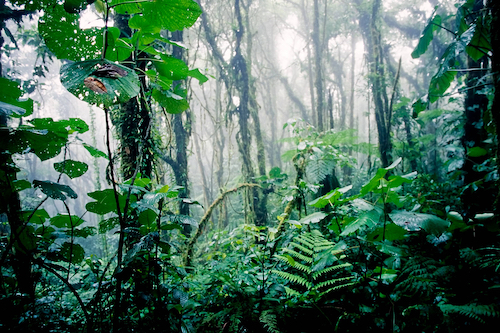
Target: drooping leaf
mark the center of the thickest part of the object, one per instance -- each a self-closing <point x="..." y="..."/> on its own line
<point x="71" y="168"/>
<point x="95" y="152"/>
<point x="118" y="90"/>
<point x="427" y="36"/>
<point x="416" y="221"/>
<point x="55" y="190"/>
<point x="63" y="36"/>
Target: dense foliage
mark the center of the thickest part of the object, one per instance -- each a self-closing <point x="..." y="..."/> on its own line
<point x="398" y="249"/>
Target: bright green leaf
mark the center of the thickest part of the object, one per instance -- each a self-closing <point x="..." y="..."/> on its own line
<point x="66" y="221"/>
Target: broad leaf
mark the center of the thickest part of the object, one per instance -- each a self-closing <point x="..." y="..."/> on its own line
<point x="66" y="221"/>
<point x="55" y="190"/>
<point x="170" y="15"/>
<point x="10" y="104"/>
<point x="171" y="102"/>
<point x="313" y="218"/>
<point x="106" y="202"/>
<point x="417" y="221"/>
<point x="427" y="36"/>
<point x="119" y="89"/>
<point x="71" y="168"/>
<point x="392" y="232"/>
<point x="330" y="198"/>
<point x="365" y="220"/>
<point x="479" y="46"/>
<point x="73" y="253"/>
<point x="63" y="36"/>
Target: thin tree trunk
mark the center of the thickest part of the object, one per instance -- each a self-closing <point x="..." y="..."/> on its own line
<point x="318" y="68"/>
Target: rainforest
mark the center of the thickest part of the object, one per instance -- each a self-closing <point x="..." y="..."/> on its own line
<point x="249" y="166"/>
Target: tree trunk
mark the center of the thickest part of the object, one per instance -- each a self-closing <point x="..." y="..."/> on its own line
<point x="494" y="7"/>
<point x="318" y="68"/>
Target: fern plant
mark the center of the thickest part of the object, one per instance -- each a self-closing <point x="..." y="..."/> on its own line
<point x="312" y="259"/>
<point x="472" y="310"/>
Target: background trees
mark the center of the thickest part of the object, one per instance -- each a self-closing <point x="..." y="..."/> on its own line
<point x="245" y="164"/>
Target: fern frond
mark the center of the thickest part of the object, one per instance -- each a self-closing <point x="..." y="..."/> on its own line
<point x="299" y="255"/>
<point x="329" y="269"/>
<point x="305" y="241"/>
<point x="472" y="310"/>
<point x="336" y="288"/>
<point x="302" y="248"/>
<point x="268" y="318"/>
<point x="293" y="278"/>
<point x="302" y="267"/>
<point x="291" y="292"/>
<point x="332" y="281"/>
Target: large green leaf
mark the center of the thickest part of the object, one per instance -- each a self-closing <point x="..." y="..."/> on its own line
<point x="172" y="103"/>
<point x="66" y="221"/>
<point x="331" y="197"/>
<point x="171" y="15"/>
<point x="106" y="202"/>
<point x="71" y="168"/>
<point x="10" y="104"/>
<point x="63" y="36"/>
<point x="366" y="220"/>
<point x="46" y="137"/>
<point x="119" y="89"/>
<point x="55" y="190"/>
<point x="427" y="36"/>
<point x="416" y="221"/>
<point x="313" y="218"/>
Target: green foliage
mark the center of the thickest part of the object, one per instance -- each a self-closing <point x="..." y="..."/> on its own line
<point x="313" y="257"/>
<point x="473" y="311"/>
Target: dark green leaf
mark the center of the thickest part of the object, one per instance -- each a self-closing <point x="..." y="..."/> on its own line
<point x="479" y="46"/>
<point x="83" y="232"/>
<point x="21" y="184"/>
<point x="392" y="232"/>
<point x="147" y="218"/>
<point x="66" y="221"/>
<point x="39" y="217"/>
<point x="71" y="168"/>
<point x="108" y="225"/>
<point x="106" y="202"/>
<point x="10" y="104"/>
<point x="476" y="152"/>
<point x="73" y="253"/>
<point x="55" y="190"/>
<point x="119" y="89"/>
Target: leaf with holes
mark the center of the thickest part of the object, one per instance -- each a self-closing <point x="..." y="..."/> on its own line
<point x="117" y="89"/>
<point x="71" y="168"/>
